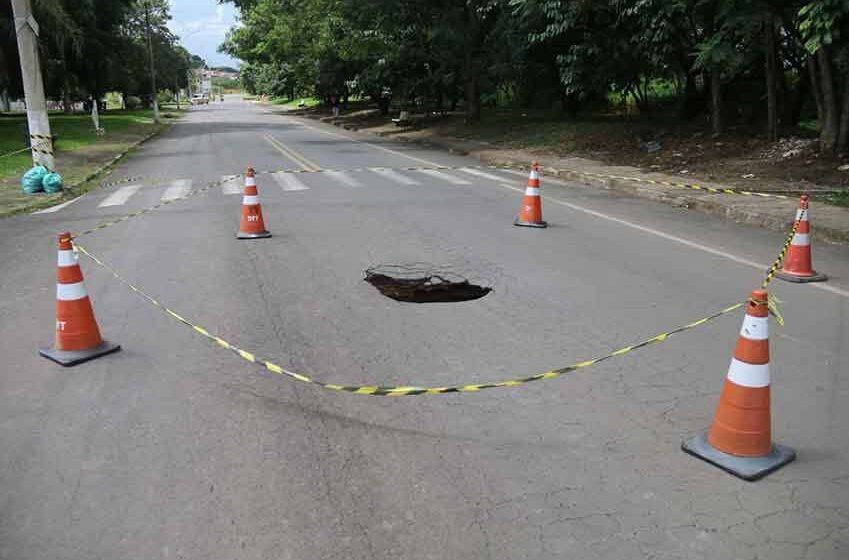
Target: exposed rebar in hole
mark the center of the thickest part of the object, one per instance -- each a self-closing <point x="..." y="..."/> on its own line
<point x="422" y="283"/>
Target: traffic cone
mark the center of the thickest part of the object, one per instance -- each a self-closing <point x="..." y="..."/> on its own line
<point x="797" y="263"/>
<point x="77" y="335"/>
<point x="530" y="215"/>
<point x="251" y="225"/>
<point x="740" y="439"/>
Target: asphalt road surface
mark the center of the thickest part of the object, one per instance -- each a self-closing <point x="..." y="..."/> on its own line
<point x="176" y="448"/>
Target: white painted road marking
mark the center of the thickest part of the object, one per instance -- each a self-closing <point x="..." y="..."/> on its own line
<point x="119" y="197"/>
<point x="397" y="177"/>
<point x="230" y="184"/>
<point x="667" y="236"/>
<point x="57" y="207"/>
<point x="444" y="177"/>
<point x="344" y="178"/>
<point x="288" y="182"/>
<point x="675" y="238"/>
<point x="483" y="174"/>
<point x="177" y="189"/>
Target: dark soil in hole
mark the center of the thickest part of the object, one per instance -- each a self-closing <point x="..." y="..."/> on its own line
<point x="422" y="283"/>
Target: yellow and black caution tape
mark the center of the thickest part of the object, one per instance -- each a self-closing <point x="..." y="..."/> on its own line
<point x="411" y="168"/>
<point x="123" y="180"/>
<point x="691" y="186"/>
<point x="147" y="210"/>
<point x="403" y="390"/>
<point x="780" y="258"/>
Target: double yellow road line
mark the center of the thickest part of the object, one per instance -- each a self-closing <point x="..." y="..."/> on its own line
<point x="291" y="154"/>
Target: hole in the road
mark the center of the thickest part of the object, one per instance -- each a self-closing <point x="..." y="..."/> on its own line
<point x="423" y="283"/>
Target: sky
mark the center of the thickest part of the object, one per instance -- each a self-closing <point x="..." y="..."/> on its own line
<point x="202" y="26"/>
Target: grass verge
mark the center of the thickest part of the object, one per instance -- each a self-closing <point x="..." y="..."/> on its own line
<point x="79" y="153"/>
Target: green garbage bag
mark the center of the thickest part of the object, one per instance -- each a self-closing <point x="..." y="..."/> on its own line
<point x="31" y="182"/>
<point x="52" y="183"/>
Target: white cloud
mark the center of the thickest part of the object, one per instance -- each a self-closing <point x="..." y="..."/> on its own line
<point x="202" y="35"/>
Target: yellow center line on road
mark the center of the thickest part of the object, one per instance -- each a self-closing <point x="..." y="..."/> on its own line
<point x="291" y="154"/>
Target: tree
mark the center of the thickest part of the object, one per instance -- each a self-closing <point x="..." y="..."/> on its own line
<point x="824" y="27"/>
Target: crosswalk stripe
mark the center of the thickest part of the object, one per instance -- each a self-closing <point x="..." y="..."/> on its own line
<point x="288" y="182"/>
<point x="177" y="189"/>
<point x="344" y="178"/>
<point x="230" y="184"/>
<point x="119" y="197"/>
<point x="397" y="177"/>
<point x="444" y="177"/>
<point x="483" y="174"/>
<point x="57" y="207"/>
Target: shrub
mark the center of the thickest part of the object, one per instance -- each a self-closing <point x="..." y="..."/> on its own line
<point x="132" y="102"/>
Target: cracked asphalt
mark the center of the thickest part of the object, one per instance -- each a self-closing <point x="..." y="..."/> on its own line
<point x="174" y="448"/>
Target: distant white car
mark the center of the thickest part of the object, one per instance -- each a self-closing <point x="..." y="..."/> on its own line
<point x="200" y="100"/>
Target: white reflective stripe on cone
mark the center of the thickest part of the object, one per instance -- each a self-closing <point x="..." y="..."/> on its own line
<point x="70" y="292"/>
<point x="250" y="182"/>
<point x="755" y="328"/>
<point x="748" y="375"/>
<point x="803" y="239"/>
<point x="250" y="199"/>
<point x="67" y="257"/>
<point x="534" y="175"/>
<point x="802" y="214"/>
<point x="531" y="191"/>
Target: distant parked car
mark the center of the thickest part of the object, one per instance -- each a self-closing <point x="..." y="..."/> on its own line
<point x="200" y="100"/>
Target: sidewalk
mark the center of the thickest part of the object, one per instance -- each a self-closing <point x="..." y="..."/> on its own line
<point x="830" y="223"/>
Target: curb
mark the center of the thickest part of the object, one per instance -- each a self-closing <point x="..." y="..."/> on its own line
<point x="112" y="161"/>
<point x="712" y="205"/>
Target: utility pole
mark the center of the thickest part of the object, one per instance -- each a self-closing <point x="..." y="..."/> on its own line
<point x="150" y="58"/>
<point x="41" y="140"/>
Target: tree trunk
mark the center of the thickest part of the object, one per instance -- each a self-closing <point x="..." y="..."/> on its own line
<point x="473" y="101"/>
<point x="716" y="100"/>
<point x="771" y="81"/>
<point x="689" y="103"/>
<point x="471" y="87"/>
<point x="829" y="124"/>
<point x="814" y="73"/>
<point x="843" y="135"/>
<point x="5" y="105"/>
<point x="796" y="99"/>
<point x="66" y="102"/>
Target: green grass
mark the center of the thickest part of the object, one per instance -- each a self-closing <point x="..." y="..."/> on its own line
<point x="839" y="199"/>
<point x="79" y="151"/>
<point x="74" y="132"/>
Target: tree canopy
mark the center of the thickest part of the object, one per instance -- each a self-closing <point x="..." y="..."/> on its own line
<point x="89" y="47"/>
<point x="729" y="60"/>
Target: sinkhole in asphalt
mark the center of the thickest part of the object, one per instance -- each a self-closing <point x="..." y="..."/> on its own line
<point x="423" y="283"/>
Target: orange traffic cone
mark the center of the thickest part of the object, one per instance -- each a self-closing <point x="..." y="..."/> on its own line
<point x="251" y="225"/>
<point x="740" y="439"/>
<point x="77" y="335"/>
<point x="797" y="263"/>
<point x="530" y="215"/>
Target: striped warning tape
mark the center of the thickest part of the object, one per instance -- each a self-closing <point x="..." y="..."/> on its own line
<point x="403" y="390"/>
<point x="691" y="186"/>
<point x="776" y="264"/>
<point x="362" y="169"/>
<point x="147" y="210"/>
<point x="124" y="180"/>
<point x="212" y="184"/>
